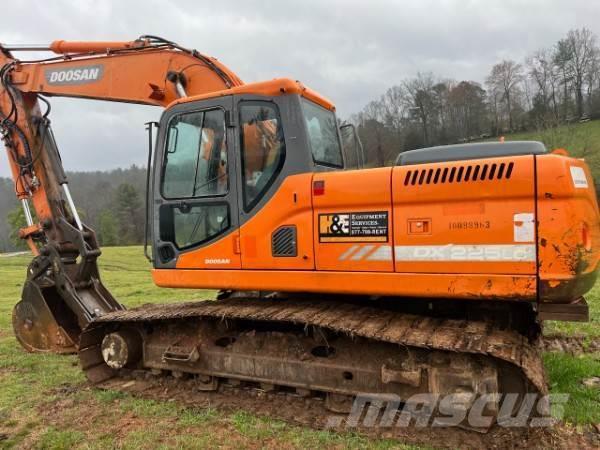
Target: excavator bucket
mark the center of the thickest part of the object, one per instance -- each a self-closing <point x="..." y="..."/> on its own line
<point x="36" y="322"/>
<point x="62" y="294"/>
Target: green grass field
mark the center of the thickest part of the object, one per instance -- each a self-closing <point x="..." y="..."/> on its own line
<point x="45" y="402"/>
<point x="581" y="140"/>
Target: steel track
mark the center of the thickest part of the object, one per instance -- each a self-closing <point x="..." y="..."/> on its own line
<point x="458" y="336"/>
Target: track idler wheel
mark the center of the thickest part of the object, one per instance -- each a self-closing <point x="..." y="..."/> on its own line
<point x="121" y="348"/>
<point x="35" y="326"/>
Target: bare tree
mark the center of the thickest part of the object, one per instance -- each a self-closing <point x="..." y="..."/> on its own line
<point x="527" y="93"/>
<point x="543" y="72"/>
<point x="583" y="52"/>
<point x="505" y="78"/>
<point x="468" y="109"/>
<point x="372" y="131"/>
<point x="561" y="58"/>
<point x="419" y="100"/>
<point x="394" y="106"/>
<point x="442" y="110"/>
<point x="592" y="80"/>
<point x="428" y="110"/>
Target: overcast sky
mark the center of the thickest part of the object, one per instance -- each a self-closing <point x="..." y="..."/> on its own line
<point x="350" y="51"/>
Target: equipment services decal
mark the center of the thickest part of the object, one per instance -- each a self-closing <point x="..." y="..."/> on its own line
<point x="369" y="226"/>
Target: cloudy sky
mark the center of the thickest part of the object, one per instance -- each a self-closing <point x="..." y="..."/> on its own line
<point x="351" y="51"/>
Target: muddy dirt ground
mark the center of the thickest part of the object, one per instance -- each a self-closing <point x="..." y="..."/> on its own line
<point x="312" y="413"/>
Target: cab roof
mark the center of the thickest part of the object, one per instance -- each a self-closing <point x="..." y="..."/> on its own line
<point x="271" y="88"/>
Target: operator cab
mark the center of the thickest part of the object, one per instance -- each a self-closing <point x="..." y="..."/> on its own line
<point x="220" y="158"/>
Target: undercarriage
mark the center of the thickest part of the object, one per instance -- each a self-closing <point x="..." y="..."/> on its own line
<point x="319" y="349"/>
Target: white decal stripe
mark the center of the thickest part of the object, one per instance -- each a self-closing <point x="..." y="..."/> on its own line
<point x="348" y="252"/>
<point x="383" y="253"/>
<point x="362" y="252"/>
<point x="452" y="252"/>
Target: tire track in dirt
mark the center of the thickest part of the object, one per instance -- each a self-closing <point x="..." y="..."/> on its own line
<point x="573" y="345"/>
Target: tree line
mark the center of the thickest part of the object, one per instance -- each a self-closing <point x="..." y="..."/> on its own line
<point x="111" y="203"/>
<point x="552" y="86"/>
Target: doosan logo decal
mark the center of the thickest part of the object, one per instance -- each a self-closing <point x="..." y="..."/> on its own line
<point x="218" y="261"/>
<point x="76" y="75"/>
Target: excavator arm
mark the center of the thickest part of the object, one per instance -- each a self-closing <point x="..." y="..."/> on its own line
<point x="63" y="291"/>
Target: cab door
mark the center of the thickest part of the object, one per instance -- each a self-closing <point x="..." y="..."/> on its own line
<point x="275" y="186"/>
<point x="195" y="191"/>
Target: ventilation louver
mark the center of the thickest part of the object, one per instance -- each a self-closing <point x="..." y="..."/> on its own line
<point x="459" y="174"/>
<point x="284" y="242"/>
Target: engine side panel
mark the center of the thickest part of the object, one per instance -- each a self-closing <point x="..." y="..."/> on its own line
<point x="474" y="216"/>
<point x="353" y="220"/>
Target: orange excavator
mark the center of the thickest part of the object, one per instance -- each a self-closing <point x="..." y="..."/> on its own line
<point x="431" y="276"/>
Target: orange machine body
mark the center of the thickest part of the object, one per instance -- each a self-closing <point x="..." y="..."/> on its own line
<point x="510" y="228"/>
<point x="514" y="227"/>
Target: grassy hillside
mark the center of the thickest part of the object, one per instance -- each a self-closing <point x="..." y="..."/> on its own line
<point x="46" y="403"/>
<point x="581" y="140"/>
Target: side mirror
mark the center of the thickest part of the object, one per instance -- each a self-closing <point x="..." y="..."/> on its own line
<point x="354" y="155"/>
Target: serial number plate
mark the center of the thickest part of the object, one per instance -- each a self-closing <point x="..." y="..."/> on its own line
<point x="470" y="225"/>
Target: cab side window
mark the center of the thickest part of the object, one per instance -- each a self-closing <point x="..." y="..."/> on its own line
<point x="196" y="158"/>
<point x="263" y="149"/>
<point x="195" y="168"/>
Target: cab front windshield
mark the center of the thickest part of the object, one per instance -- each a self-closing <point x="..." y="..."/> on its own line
<point x="322" y="134"/>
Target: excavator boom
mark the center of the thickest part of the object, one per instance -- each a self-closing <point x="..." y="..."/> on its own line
<point x="63" y="291"/>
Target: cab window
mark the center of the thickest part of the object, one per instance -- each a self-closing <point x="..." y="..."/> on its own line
<point x="322" y="135"/>
<point x="195" y="163"/>
<point x="263" y="149"/>
<point x="189" y="225"/>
